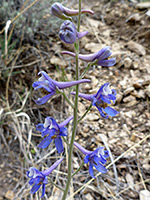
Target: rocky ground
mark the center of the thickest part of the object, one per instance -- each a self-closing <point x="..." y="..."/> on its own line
<point x="124" y="27"/>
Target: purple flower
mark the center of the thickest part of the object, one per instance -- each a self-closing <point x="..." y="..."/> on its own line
<point x="68" y="32"/>
<point x="51" y="87"/>
<point x="53" y="131"/>
<point x="95" y="158"/>
<point x="100" y="57"/>
<point x="40" y="178"/>
<point x="101" y="99"/>
<point x="62" y="12"/>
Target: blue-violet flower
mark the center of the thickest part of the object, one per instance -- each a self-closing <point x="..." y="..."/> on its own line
<point x="99" y="58"/>
<point x="62" y="12"/>
<point x="53" y="131"/>
<point x="95" y="158"/>
<point x="69" y="34"/>
<point x="101" y="99"/>
<point x="51" y="86"/>
<point x="39" y="178"/>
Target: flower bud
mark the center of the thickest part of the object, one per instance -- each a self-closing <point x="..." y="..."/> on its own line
<point x="69" y="34"/>
<point x="58" y="10"/>
<point x="62" y="12"/>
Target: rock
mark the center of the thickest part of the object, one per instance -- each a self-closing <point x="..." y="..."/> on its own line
<point x="147" y="91"/>
<point x="132" y="103"/>
<point x="127" y="62"/>
<point x="143" y="5"/>
<point x="144" y="195"/>
<point x="57" y="61"/>
<point x="9" y="195"/>
<point x="133" y="137"/>
<point x="129" y="99"/>
<point x="93" y="47"/>
<point x="130" y="180"/>
<point x="148" y="13"/>
<point x="119" y="98"/>
<point x="136" y="64"/>
<point x="128" y="90"/>
<point x="137" y="48"/>
<point x="92" y="117"/>
<point x="138" y="84"/>
<point x="134" y="18"/>
<point x="88" y="196"/>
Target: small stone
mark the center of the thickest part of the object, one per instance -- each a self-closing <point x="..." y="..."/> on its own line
<point x="136" y="64"/>
<point x="137" y="48"/>
<point x="147" y="91"/>
<point x="88" y="196"/>
<point x="143" y="5"/>
<point x="9" y="195"/>
<point x="132" y="103"/>
<point x="127" y="62"/>
<point x="129" y="99"/>
<point x="119" y="98"/>
<point x="128" y="90"/>
<point x="138" y="84"/>
<point x="57" y="61"/>
<point x="130" y="180"/>
<point x="146" y="166"/>
<point x="92" y="117"/>
<point x="133" y="137"/>
<point x="134" y="18"/>
<point x="144" y="195"/>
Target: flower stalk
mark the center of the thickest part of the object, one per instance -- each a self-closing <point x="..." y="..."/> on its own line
<point x="75" y="122"/>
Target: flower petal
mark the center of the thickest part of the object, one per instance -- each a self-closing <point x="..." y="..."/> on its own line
<point x="82" y="149"/>
<point x="64" y="123"/>
<point x="43" y="190"/>
<point x="49" y="170"/>
<point x="86" y="159"/>
<point x="44" y="99"/>
<point x="59" y="144"/>
<point x="63" y="131"/>
<point x="45" y="142"/>
<point x="101" y="112"/>
<point x="107" y="63"/>
<point x="91" y="170"/>
<point x="110" y="111"/>
<point x="35" y="188"/>
<point x="100" y="168"/>
<point x="40" y="127"/>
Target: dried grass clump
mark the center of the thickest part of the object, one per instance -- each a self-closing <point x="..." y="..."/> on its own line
<point x="36" y="19"/>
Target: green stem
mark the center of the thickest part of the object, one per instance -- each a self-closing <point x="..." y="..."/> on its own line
<point x="55" y="184"/>
<point x="86" y="69"/>
<point x="65" y="141"/>
<point x="85" y="113"/>
<point x="70" y="156"/>
<point x="69" y="102"/>
<point x="78" y="169"/>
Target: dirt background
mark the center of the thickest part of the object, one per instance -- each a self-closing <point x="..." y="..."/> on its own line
<point x="125" y="27"/>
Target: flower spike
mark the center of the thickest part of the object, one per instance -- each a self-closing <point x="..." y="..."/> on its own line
<point x="95" y="158"/>
<point x="53" y="131"/>
<point x="101" y="99"/>
<point x="51" y="86"/>
<point x="68" y="32"/>
<point x="64" y="13"/>
<point x="39" y="178"/>
<point x="100" y="57"/>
